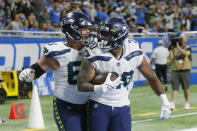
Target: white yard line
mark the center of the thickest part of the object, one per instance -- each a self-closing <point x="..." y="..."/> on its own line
<point x="173" y="116"/>
<point x="191" y="129"/>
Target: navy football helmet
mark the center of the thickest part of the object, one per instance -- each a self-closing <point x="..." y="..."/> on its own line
<point x="111" y="33"/>
<point x="72" y="22"/>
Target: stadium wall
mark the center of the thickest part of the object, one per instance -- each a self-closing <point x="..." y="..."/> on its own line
<point x="16" y="53"/>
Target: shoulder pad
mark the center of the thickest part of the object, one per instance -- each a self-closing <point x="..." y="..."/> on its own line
<point x="51" y="47"/>
<point x="133" y="42"/>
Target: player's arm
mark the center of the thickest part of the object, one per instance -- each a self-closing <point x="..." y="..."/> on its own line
<point x="155" y="84"/>
<point x="148" y="73"/>
<point x="36" y="70"/>
<point x="86" y="74"/>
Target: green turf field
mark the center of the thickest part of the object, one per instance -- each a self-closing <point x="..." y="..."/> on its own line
<point x="145" y="105"/>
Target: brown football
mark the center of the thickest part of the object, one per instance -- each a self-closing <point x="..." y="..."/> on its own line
<point x="100" y="78"/>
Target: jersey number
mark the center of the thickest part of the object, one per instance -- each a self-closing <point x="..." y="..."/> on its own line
<point x="126" y="79"/>
<point x="73" y="71"/>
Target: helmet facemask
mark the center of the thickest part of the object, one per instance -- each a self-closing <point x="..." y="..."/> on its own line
<point x="110" y="39"/>
<point x="85" y="34"/>
<point x="105" y="39"/>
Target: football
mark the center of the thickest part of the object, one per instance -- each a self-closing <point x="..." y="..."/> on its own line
<point x="101" y="77"/>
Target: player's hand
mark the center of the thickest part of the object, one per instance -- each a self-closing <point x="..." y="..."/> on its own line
<point x="109" y="83"/>
<point x="27" y="75"/>
<point x="165" y="108"/>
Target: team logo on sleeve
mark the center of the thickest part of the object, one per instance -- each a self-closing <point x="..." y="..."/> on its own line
<point x="86" y="53"/>
<point x="45" y="50"/>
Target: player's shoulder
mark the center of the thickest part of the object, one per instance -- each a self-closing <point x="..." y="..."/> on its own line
<point x="92" y="51"/>
<point x="132" y="45"/>
<point x="132" y="49"/>
<point x="54" y="45"/>
<point x="54" y="48"/>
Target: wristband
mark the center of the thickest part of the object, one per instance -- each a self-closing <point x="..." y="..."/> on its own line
<point x="38" y="70"/>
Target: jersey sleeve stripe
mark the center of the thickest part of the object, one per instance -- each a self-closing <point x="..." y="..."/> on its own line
<point x="133" y="54"/>
<point x="101" y="58"/>
<point x="56" y="53"/>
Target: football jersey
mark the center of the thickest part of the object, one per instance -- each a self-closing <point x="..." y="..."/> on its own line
<point x="130" y="58"/>
<point x="66" y="76"/>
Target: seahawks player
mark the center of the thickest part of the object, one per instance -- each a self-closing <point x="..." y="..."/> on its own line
<point x="65" y="60"/>
<point x="109" y="107"/>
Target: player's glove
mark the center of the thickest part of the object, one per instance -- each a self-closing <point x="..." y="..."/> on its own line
<point x="108" y="85"/>
<point x="27" y="75"/>
<point x="165" y="108"/>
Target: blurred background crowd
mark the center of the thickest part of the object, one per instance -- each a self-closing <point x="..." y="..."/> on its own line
<point x="141" y="15"/>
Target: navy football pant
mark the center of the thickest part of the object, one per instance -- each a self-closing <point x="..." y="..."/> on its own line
<point x="68" y="116"/>
<point x="108" y="118"/>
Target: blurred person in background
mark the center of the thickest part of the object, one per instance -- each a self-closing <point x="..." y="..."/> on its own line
<point x="75" y="6"/>
<point x="65" y="58"/>
<point x="44" y="15"/>
<point x="16" y="24"/>
<point x="35" y="26"/>
<point x="6" y="25"/>
<point x="21" y="19"/>
<point x="55" y="13"/>
<point x="23" y="6"/>
<point x="1" y="21"/>
<point x="56" y="26"/>
<point x="31" y="20"/>
<point x="176" y="22"/>
<point x="180" y="56"/>
<point x="36" y="6"/>
<point x="25" y="26"/>
<point x="159" y="57"/>
<point x="169" y="19"/>
<point x="86" y="9"/>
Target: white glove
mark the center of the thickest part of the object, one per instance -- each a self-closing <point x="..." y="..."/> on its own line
<point x="108" y="85"/>
<point x="27" y="75"/>
<point x="165" y="108"/>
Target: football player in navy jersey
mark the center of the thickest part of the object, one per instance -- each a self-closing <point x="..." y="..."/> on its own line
<point x="109" y="106"/>
<point x="65" y="60"/>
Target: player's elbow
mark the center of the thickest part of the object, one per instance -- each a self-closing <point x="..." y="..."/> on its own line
<point x="79" y="87"/>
